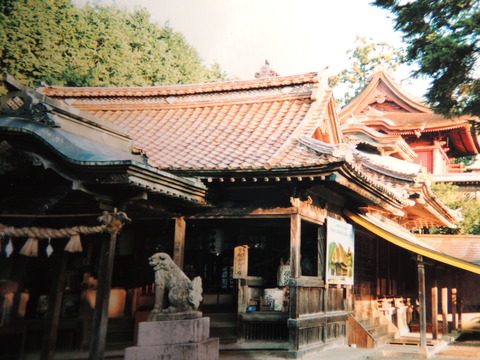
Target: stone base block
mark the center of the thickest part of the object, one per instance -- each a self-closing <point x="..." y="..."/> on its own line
<point x="173" y="332"/>
<point x="203" y="350"/>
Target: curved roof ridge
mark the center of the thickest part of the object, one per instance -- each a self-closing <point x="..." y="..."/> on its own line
<point x="404" y="93"/>
<point x="396" y="89"/>
<point x="375" y="181"/>
<point x="165" y="90"/>
<point x="316" y="145"/>
<point x="389" y="166"/>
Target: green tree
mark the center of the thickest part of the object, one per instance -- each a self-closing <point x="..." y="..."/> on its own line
<point x="450" y="195"/>
<point x="364" y="59"/>
<point x="443" y="38"/>
<point x="61" y="44"/>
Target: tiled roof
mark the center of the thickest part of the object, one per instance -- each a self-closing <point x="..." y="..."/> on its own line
<point x="146" y="91"/>
<point x="384" y="106"/>
<point x="466" y="247"/>
<point x="244" y="125"/>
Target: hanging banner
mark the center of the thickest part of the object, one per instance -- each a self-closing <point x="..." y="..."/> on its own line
<point x="240" y="262"/>
<point x="340" y="252"/>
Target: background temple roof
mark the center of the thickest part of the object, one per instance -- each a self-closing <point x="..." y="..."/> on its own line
<point x="385" y="106"/>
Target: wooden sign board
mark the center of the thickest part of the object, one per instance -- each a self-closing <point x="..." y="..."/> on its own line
<point x="240" y="262"/>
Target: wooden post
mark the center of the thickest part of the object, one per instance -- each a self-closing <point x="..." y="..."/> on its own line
<point x="54" y="307"/>
<point x="179" y="241"/>
<point x="295" y="233"/>
<point x="85" y="313"/>
<point x="435" y="311"/>
<point x="459" y="310"/>
<point x="422" y="301"/>
<point x="445" y="310"/>
<point x="295" y="239"/>
<point x="454" y="309"/>
<point x="100" y="315"/>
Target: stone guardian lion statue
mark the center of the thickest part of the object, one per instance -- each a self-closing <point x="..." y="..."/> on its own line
<point x="174" y="291"/>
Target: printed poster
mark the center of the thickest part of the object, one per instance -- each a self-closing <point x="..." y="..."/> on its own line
<point x="340" y="252"/>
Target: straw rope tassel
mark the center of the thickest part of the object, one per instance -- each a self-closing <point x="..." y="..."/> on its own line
<point x="30" y="248"/>
<point x="74" y="244"/>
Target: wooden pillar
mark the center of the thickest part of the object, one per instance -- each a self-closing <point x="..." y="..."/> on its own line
<point x="100" y="315"/>
<point x="435" y="311"/>
<point x="459" y="310"/>
<point x="295" y="233"/>
<point x="422" y="301"/>
<point x="179" y="241"/>
<point x="445" y="310"/>
<point x="54" y="307"/>
<point x="295" y="239"/>
<point x="454" y="309"/>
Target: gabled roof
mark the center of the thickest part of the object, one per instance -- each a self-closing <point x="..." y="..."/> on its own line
<point x="382" y="89"/>
<point x="384" y="106"/>
<point x="277" y="127"/>
<point x="239" y="125"/>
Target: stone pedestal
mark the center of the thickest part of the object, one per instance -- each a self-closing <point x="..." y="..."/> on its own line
<point x="174" y="339"/>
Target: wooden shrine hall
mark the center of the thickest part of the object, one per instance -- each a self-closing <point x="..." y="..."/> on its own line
<point x="300" y="233"/>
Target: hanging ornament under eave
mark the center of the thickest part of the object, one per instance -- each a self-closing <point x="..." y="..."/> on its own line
<point x="49" y="249"/>
<point x="74" y="244"/>
<point x="30" y="248"/>
<point x="9" y="247"/>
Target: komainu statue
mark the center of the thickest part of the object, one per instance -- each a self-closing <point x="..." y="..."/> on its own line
<point x="174" y="291"/>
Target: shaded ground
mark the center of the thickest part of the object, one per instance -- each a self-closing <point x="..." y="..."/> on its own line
<point x="466" y="347"/>
<point x="460" y="352"/>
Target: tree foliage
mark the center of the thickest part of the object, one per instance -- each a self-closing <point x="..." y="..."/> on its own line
<point x="55" y="42"/>
<point x="450" y="195"/>
<point x="443" y="38"/>
<point x="364" y="59"/>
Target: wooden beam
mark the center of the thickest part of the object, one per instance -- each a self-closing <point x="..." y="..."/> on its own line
<point x="308" y="212"/>
<point x="100" y="315"/>
<point x="229" y="213"/>
<point x="179" y="241"/>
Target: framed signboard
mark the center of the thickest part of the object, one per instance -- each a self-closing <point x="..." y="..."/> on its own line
<point x="340" y="252"/>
